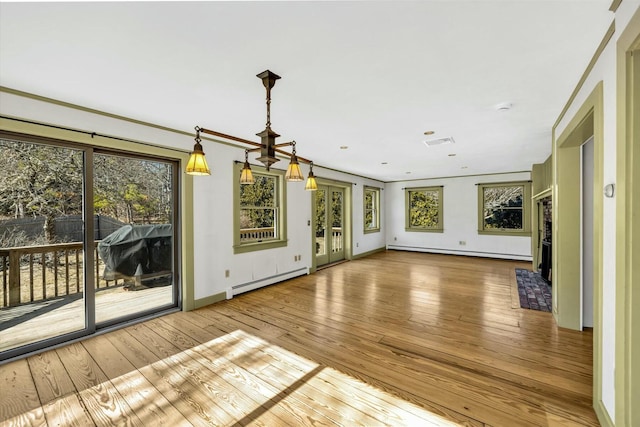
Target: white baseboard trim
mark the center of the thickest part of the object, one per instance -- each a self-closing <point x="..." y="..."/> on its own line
<point x="255" y="284"/>
<point x="459" y="252"/>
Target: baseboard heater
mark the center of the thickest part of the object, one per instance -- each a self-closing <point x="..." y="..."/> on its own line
<point x="458" y="252"/>
<point x="266" y="281"/>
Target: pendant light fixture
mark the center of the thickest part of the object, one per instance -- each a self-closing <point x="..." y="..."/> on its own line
<point x="268" y="148"/>
<point x="246" y="176"/>
<point x="197" y="164"/>
<point x="311" y="185"/>
<point x="294" y="173"/>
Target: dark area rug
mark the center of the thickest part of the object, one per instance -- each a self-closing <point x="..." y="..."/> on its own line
<point x="533" y="290"/>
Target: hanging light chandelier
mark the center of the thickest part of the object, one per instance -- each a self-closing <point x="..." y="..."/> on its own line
<point x="268" y="148"/>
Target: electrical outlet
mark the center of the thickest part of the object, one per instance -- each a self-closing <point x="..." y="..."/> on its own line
<point x="226" y="273"/>
<point x="395" y="239"/>
<point x="357" y="245"/>
<point x="463" y="243"/>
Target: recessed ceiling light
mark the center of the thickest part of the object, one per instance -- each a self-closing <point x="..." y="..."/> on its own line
<point x="429" y="132"/>
<point x="344" y="147"/>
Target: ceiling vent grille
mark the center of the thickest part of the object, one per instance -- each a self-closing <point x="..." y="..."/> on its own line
<point x="439" y="141"/>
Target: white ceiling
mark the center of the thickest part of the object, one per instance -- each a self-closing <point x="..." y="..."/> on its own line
<point x="373" y="76"/>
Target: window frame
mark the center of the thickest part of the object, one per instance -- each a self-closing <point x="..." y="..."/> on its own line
<point x="375" y="209"/>
<point x="439" y="228"/>
<point x="281" y="209"/>
<point x="526" y="209"/>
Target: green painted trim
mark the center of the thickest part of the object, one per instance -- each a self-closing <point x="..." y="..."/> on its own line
<point x="438" y="228"/>
<point x="542" y="194"/>
<point x="536" y="226"/>
<point x="627" y="321"/>
<point x="368" y="253"/>
<point x="605" y="40"/>
<point x="424" y="230"/>
<point x="526" y="209"/>
<point x="376" y="208"/>
<point x="203" y="302"/>
<point x="615" y="5"/>
<point x="259" y="246"/>
<point x="142" y="123"/>
<point x="88" y="110"/>
<point x="567" y="233"/>
<point x="317" y="166"/>
<point x="281" y="195"/>
<point x="348" y="219"/>
<point x="185" y="189"/>
<point x="602" y="414"/>
<point x="456" y="176"/>
<point x="504" y="232"/>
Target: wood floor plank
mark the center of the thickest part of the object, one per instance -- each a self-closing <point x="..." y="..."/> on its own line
<point x="169" y="383"/>
<point x="102" y="400"/>
<point x="396" y="338"/>
<point x="67" y="411"/>
<point x="20" y="405"/>
<point x="50" y="377"/>
<point x="185" y="373"/>
<point x="224" y="363"/>
<point x="232" y="325"/>
<point x="447" y="356"/>
<point x="141" y="395"/>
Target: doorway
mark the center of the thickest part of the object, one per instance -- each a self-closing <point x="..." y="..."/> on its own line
<point x="87" y="240"/>
<point x="330" y="227"/>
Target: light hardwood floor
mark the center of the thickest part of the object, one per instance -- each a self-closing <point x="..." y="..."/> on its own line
<point x="396" y="338"/>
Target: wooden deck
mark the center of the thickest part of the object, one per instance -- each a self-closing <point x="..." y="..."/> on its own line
<point x="393" y="339"/>
<point x="33" y="322"/>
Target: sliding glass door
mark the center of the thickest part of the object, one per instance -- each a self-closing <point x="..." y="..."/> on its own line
<point x="87" y="240"/>
<point x="134" y="203"/>
<point x="42" y="249"/>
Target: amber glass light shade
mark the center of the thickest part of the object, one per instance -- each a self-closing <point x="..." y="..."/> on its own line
<point x="197" y="164"/>
<point x="293" y="171"/>
<point x="246" y="176"/>
<point x="311" y="185"/>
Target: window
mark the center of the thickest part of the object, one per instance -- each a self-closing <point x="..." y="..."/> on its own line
<point x="504" y="208"/>
<point x="423" y="208"/>
<point x="371" y="209"/>
<point x="260" y="214"/>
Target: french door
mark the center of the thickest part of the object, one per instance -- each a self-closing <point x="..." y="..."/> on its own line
<point x="86" y="240"/>
<point x="329" y="222"/>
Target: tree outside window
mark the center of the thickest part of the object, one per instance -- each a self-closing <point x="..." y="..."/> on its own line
<point x="259" y="218"/>
<point x="371" y="209"/>
<point x="423" y="208"/>
<point x="504" y="208"/>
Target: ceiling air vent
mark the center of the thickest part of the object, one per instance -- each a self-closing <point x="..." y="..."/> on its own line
<point x="440" y="141"/>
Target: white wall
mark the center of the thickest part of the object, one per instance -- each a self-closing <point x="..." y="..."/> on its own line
<point x="213" y="200"/>
<point x="605" y="70"/>
<point x="460" y="211"/>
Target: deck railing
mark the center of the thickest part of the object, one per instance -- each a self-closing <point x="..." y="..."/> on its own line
<point x="337" y="242"/>
<point x="256" y="234"/>
<point x="34" y="273"/>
